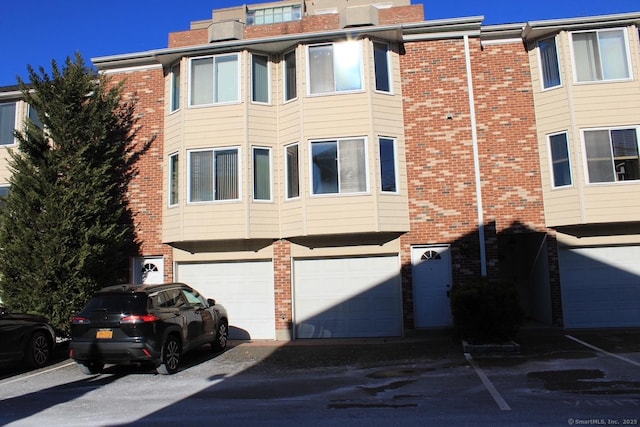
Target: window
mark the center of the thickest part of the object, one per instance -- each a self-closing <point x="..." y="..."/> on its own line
<point x="612" y="155"/>
<point x="335" y="67"/>
<point x="215" y="80"/>
<point x="4" y="193"/>
<point x="381" y="65"/>
<point x="339" y="166"/>
<point x="260" y="78"/>
<point x="600" y="55"/>
<point x="213" y="175"/>
<point x="175" y="87"/>
<point x="261" y="174"/>
<point x="7" y="123"/>
<point x="35" y="117"/>
<point x="560" y="165"/>
<point x="292" y="171"/>
<point x="549" y="63"/>
<point x="388" y="179"/>
<point x="173" y="180"/>
<point x="274" y="15"/>
<point x="290" y="88"/>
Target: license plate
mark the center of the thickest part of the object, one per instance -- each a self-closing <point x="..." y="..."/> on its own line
<point x="104" y="334"/>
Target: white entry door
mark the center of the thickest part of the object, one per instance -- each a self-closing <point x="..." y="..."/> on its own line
<point x="149" y="270"/>
<point x="431" y="267"/>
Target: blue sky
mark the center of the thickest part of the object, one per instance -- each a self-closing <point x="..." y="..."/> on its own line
<point x="38" y="31"/>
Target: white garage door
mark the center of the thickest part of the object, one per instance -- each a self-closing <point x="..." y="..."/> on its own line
<point x="600" y="286"/>
<point x="244" y="288"/>
<point x="347" y="297"/>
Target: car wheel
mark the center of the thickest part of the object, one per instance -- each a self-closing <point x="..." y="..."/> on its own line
<point x="222" y="336"/>
<point x="39" y="350"/>
<point x="170" y="357"/>
<point x="91" y="368"/>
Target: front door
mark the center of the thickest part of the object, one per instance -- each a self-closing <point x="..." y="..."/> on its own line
<point x="148" y="270"/>
<point x="431" y="268"/>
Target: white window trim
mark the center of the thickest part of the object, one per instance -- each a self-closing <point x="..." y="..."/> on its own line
<point x="334" y="92"/>
<point x="284" y="76"/>
<point x="238" y="76"/>
<point x="268" y="102"/>
<point x="585" y="160"/>
<point x="366" y="167"/>
<point x="540" y="72"/>
<point x="389" y="68"/>
<point x="550" y="161"/>
<point x="15" y="124"/>
<point x="240" y="173"/>
<point x="171" y="156"/>
<point x="171" y="90"/>
<point x="270" y="199"/>
<point x="602" y="30"/>
<point x="395" y="165"/>
<point x="286" y="172"/>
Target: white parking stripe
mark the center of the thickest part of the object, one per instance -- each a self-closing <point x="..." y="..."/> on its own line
<point x="502" y="404"/>
<point x="598" y="349"/>
<point x="35" y="374"/>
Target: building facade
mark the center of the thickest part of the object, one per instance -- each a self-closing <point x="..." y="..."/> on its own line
<point x="332" y="168"/>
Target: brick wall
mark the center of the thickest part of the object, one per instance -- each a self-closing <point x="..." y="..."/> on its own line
<point x="189" y="38"/>
<point x="145" y="190"/>
<point x="282" y="284"/>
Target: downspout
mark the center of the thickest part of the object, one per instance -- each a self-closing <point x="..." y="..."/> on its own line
<point x="476" y="159"/>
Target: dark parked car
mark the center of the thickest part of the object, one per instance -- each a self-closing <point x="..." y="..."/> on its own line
<point x="138" y="324"/>
<point x="25" y="337"/>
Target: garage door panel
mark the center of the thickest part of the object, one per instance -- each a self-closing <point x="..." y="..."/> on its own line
<point x="600" y="286"/>
<point x="245" y="289"/>
<point x="347" y="297"/>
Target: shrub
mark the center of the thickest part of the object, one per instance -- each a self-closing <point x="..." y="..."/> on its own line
<point x="486" y="312"/>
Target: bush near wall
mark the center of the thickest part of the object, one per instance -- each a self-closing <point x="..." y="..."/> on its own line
<point x="486" y="311"/>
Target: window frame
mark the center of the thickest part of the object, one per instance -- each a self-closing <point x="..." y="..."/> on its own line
<point x="214" y="92"/>
<point x="287" y="177"/>
<point x="627" y="56"/>
<point x="365" y="161"/>
<point x="389" y="79"/>
<point x="394" y="142"/>
<point x="253" y="79"/>
<point x="260" y="14"/>
<point x="552" y="161"/>
<point x="615" y="181"/>
<point x="213" y="151"/>
<point x="542" y="67"/>
<point x="174" y="180"/>
<point x="335" y="81"/>
<point x="286" y="81"/>
<point x="270" y="173"/>
<point x="174" y="101"/>
<point x="13" y="140"/>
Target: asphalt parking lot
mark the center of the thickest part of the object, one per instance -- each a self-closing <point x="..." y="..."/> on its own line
<point x="556" y="378"/>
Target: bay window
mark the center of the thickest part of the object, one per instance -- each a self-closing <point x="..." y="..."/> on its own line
<point x="560" y="164"/>
<point x="612" y="155"/>
<point x="214" y="175"/>
<point x="7" y="123"/>
<point x="388" y="177"/>
<point x="292" y="171"/>
<point x="215" y="80"/>
<point x="335" y="67"/>
<point x="339" y="166"/>
<point x="173" y="179"/>
<point x="549" y="63"/>
<point x="601" y="55"/>
<point x="261" y="173"/>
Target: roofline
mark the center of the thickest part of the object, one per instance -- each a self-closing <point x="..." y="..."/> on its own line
<point x="536" y="29"/>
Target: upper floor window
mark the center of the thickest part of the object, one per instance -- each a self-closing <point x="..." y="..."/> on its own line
<point x="215" y="80"/>
<point x="290" y="88"/>
<point x="388" y="177"/>
<point x="612" y="155"/>
<point x="339" y="166"/>
<point x="381" y="65"/>
<point x="213" y="175"/>
<point x="4" y="193"/>
<point x="335" y="67"/>
<point x="292" y="171"/>
<point x="175" y="87"/>
<point x="549" y="63"/>
<point x="261" y="173"/>
<point x="560" y="164"/>
<point x="260" y="78"/>
<point x="173" y="179"/>
<point x="601" y="55"/>
<point x="7" y="123"/>
<point x="273" y="15"/>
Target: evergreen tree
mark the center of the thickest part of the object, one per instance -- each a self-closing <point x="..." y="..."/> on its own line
<point x="66" y="229"/>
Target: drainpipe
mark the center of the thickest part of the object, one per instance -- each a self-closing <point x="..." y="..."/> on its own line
<point x="476" y="159"/>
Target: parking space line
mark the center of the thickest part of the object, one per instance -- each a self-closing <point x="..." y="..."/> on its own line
<point x="600" y="350"/>
<point x="21" y="378"/>
<point x="502" y="404"/>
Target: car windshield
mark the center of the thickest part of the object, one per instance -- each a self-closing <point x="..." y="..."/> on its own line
<point x="119" y="303"/>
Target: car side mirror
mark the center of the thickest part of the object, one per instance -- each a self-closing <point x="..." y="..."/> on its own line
<point x="211" y="302"/>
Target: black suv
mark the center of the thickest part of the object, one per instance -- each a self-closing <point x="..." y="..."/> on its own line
<point x="26" y="337"/>
<point x="136" y="324"/>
